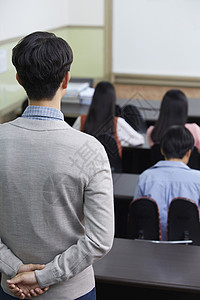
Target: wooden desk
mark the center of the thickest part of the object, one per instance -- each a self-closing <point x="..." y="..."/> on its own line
<point x="148" y="268"/>
<point x="124" y="189"/>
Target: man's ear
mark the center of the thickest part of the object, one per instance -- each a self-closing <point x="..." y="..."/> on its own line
<point x="18" y="79"/>
<point x="188" y="153"/>
<point x="66" y="80"/>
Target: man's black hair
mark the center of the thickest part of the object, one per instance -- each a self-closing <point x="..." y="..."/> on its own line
<point x="42" y="60"/>
<point x="176" y="142"/>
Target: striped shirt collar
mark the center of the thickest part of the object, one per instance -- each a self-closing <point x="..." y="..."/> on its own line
<point x="42" y="113"/>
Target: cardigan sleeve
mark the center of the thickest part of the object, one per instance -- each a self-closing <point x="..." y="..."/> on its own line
<point x="127" y="135"/>
<point x="98" y="235"/>
<point x="9" y="263"/>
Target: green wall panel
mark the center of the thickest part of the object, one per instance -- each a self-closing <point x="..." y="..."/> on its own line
<point x="10" y="90"/>
<point x="88" y="48"/>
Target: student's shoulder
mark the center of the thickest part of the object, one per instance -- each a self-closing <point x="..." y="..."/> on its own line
<point x="189" y="175"/>
<point x="191" y="125"/>
<point x="148" y="173"/>
<point x="122" y="122"/>
<point x="194" y="172"/>
<point x="150" y="129"/>
<point x="193" y="128"/>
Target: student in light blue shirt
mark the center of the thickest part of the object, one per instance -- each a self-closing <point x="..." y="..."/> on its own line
<point x="172" y="177"/>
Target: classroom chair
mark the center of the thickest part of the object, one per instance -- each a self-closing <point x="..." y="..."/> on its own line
<point x="144" y="219"/>
<point x="183" y="221"/>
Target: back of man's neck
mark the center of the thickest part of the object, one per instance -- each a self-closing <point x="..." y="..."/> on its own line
<point x="45" y="103"/>
<point x="177" y="159"/>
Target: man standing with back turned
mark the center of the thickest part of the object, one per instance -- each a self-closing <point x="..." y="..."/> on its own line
<point x="56" y="197"/>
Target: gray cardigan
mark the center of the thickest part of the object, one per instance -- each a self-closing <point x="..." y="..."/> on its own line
<point x="56" y="205"/>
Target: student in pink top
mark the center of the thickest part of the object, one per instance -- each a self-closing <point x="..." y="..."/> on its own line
<point x="173" y="111"/>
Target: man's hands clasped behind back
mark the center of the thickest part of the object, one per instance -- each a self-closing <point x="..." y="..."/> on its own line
<point x="24" y="284"/>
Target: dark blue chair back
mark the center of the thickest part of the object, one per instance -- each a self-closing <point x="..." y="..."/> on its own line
<point x="144" y="219"/>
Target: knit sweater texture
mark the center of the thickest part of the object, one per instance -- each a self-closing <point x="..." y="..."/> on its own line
<point x="56" y="205"/>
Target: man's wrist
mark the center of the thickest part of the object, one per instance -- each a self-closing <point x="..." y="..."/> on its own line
<point x="20" y="269"/>
<point x="46" y="276"/>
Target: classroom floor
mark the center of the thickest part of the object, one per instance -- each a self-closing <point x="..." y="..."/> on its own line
<point x="151" y="92"/>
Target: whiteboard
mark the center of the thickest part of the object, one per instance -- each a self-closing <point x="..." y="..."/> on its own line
<point x="21" y="17"/>
<point x="156" y="37"/>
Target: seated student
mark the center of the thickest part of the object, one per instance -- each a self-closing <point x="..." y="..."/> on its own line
<point x="173" y="111"/>
<point x="101" y="118"/>
<point x="171" y="177"/>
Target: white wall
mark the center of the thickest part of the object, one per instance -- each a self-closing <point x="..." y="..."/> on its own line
<point x="18" y="18"/>
<point x="86" y="12"/>
<point x="160" y="37"/>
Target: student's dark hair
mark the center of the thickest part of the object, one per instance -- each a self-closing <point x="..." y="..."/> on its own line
<point x="176" y="142"/>
<point x="173" y="111"/>
<point x="100" y="118"/>
<point x="42" y="60"/>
